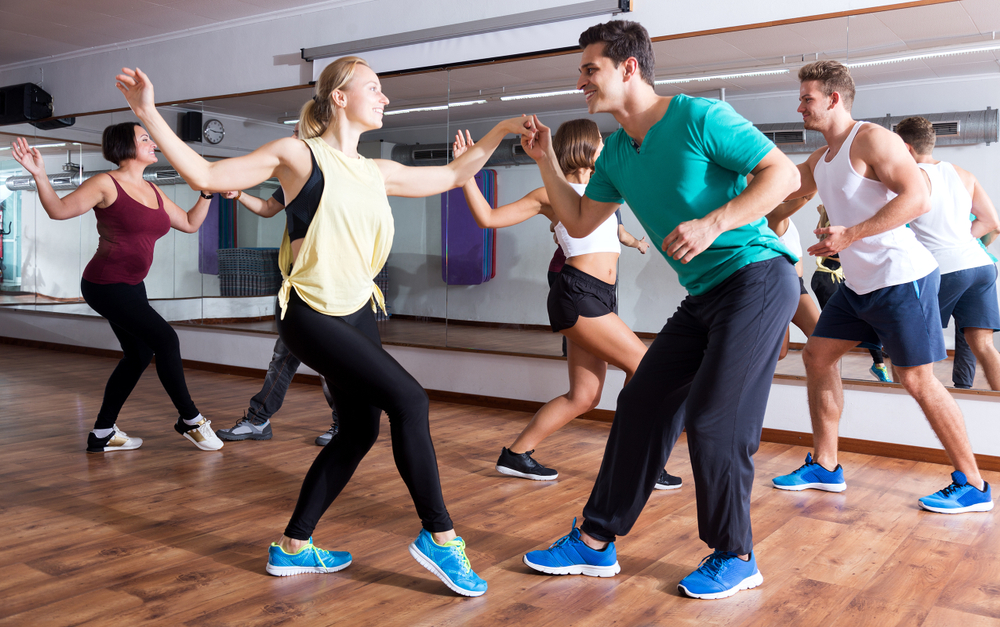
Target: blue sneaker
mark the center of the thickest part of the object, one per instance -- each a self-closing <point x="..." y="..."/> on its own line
<point x="721" y="575"/>
<point x="812" y="475"/>
<point x="880" y="372"/>
<point x="309" y="559"/>
<point x="570" y="556"/>
<point x="959" y="497"/>
<point x="449" y="563"/>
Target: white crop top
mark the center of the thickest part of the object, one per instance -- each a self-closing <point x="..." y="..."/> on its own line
<point x="604" y="239"/>
<point x="790" y="238"/>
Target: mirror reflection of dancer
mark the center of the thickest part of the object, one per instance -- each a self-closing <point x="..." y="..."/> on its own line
<point x="872" y="188"/>
<point x="339" y="242"/>
<point x="826" y="280"/>
<point x="968" y="273"/>
<point x="780" y="221"/>
<point x="582" y="302"/>
<point x="131" y="215"/>
<point x="255" y="424"/>
<point x="681" y="164"/>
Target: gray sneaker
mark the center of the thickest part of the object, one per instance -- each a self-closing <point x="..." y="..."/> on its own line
<point x="324" y="438"/>
<point x="246" y="428"/>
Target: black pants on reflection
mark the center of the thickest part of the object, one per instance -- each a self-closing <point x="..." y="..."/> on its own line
<point x="142" y="333"/>
<point x="709" y="369"/>
<point x="366" y="380"/>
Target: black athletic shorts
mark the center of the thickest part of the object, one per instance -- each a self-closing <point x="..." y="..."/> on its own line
<point x="802" y="287"/>
<point x="574" y="294"/>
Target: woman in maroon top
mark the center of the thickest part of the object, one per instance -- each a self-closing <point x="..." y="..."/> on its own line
<point x="131" y="215"/>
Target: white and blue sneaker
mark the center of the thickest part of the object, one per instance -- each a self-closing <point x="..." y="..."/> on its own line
<point x="309" y="559"/>
<point x="721" y="575"/>
<point x="811" y="475"/>
<point x="449" y="562"/>
<point x="959" y="497"/>
<point x="569" y="555"/>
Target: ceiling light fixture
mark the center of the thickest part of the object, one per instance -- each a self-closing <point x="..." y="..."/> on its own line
<point x="713" y="77"/>
<point x="544" y="94"/>
<point x="926" y="55"/>
<point x="436" y="107"/>
<point x="43" y="146"/>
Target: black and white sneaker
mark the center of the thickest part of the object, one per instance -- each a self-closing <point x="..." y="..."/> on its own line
<point x="521" y="465"/>
<point x="324" y="438"/>
<point x="118" y="440"/>
<point x="246" y="428"/>
<point x="667" y="481"/>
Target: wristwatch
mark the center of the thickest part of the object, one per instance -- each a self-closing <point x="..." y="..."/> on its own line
<point x="205" y="196"/>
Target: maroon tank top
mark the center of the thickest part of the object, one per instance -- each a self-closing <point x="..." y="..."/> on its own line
<point x="128" y="231"/>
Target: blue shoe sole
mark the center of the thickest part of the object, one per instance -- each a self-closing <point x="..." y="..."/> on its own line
<point x="575" y="569"/>
<point x="752" y="581"/>
<point x="429" y="564"/>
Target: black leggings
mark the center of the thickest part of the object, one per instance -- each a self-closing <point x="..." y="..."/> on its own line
<point x="366" y="380"/>
<point x="142" y="333"/>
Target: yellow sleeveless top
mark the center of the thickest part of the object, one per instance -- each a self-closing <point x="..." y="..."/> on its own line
<point x="348" y="239"/>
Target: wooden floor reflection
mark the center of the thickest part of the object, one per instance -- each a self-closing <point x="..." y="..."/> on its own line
<point x="533" y="341"/>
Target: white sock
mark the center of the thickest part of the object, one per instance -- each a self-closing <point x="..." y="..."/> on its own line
<point x="192" y="422"/>
<point x="102" y="433"/>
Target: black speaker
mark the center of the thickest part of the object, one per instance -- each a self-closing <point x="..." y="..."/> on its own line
<point x="53" y="123"/>
<point x="191" y="126"/>
<point x="23" y="103"/>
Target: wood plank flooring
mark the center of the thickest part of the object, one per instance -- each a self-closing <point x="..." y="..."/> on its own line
<point x="170" y="535"/>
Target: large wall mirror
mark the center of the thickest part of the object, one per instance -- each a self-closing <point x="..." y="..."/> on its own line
<point x="937" y="59"/>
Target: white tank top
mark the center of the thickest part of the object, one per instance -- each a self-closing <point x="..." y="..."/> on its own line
<point x="871" y="263"/>
<point x="604" y="239"/>
<point x="946" y="230"/>
<point x="790" y="238"/>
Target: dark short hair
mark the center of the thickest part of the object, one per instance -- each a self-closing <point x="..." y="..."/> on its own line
<point x="575" y="144"/>
<point x="919" y="133"/>
<point x="834" y="77"/>
<point x="118" y="142"/>
<point x="623" y="39"/>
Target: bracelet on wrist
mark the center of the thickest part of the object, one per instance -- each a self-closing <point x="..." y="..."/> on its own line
<point x="239" y="194"/>
<point x="205" y="196"/>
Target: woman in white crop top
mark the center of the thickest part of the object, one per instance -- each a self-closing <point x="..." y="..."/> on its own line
<point x="582" y="302"/>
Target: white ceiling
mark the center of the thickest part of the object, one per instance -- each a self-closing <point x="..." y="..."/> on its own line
<point x="49" y="27"/>
<point x="36" y="29"/>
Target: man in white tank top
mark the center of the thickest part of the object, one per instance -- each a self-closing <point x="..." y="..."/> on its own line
<point x="968" y="273"/>
<point x="872" y="188"/>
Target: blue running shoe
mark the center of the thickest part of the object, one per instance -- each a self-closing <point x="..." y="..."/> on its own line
<point x="959" y="497"/>
<point x="721" y="575"/>
<point x="570" y="556"/>
<point x="812" y="475"/>
<point x="880" y="372"/>
<point x="309" y="559"/>
<point x="449" y="563"/>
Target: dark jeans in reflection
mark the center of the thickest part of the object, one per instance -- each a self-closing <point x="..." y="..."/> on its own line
<point x="963" y="370"/>
<point x="280" y="371"/>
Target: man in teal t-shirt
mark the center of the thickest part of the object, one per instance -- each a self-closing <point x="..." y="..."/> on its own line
<point x="681" y="164"/>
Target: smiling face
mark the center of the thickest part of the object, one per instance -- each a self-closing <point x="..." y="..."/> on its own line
<point x="815" y="106"/>
<point x="145" y="149"/>
<point x="602" y="83"/>
<point x="362" y="98"/>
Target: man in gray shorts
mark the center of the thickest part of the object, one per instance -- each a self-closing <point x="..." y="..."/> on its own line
<point x="872" y="188"/>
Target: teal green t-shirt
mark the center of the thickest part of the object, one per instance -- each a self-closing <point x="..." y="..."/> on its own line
<point x="691" y="162"/>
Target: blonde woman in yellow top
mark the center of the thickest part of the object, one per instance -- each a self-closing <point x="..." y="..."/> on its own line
<point x="340" y="230"/>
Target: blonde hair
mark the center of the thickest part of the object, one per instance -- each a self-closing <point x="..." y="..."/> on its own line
<point x="317" y="113"/>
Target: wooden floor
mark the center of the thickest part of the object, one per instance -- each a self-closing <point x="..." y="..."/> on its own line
<point x="170" y="535"/>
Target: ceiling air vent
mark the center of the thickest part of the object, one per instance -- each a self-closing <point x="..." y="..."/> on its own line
<point x="941" y="129"/>
<point x="786" y="137"/>
<point x="430" y="154"/>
